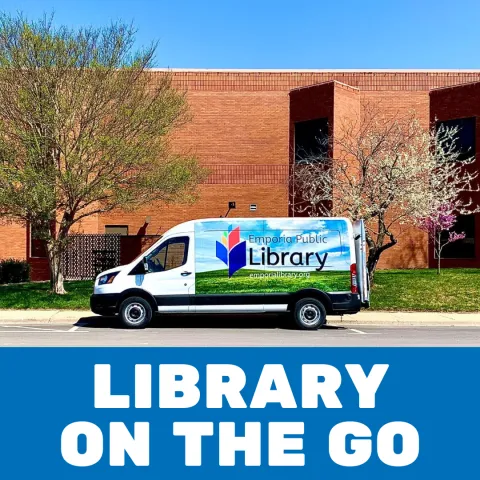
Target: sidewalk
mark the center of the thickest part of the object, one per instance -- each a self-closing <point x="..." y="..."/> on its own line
<point x="43" y="316"/>
<point x="362" y="318"/>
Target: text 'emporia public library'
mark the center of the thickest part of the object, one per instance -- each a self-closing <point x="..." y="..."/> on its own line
<point x="243" y="129"/>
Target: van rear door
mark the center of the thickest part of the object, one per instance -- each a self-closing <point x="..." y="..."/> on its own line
<point x="363" y="281"/>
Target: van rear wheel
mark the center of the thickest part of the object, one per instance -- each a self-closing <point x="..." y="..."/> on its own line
<point x="309" y="314"/>
<point x="135" y="312"/>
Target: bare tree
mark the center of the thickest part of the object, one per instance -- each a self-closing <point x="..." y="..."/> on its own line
<point x="84" y="129"/>
<point x="388" y="171"/>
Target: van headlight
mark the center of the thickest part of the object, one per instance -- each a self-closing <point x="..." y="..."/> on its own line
<point x="107" y="278"/>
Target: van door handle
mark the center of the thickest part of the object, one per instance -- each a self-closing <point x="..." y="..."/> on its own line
<point x="185" y="274"/>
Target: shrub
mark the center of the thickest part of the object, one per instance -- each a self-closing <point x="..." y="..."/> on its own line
<point x="14" y="271"/>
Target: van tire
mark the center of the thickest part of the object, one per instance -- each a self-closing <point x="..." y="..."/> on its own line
<point x="309" y="314"/>
<point x="135" y="312"/>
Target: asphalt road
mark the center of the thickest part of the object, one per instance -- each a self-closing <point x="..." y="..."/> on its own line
<point x="231" y="331"/>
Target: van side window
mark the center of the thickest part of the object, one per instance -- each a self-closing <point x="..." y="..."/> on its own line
<point x="170" y="254"/>
<point x="177" y="255"/>
<point x="156" y="259"/>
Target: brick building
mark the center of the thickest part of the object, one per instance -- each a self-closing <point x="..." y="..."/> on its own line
<point x="242" y="128"/>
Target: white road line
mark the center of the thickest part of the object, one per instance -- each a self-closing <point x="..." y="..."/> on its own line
<point x="77" y="326"/>
<point x="34" y="329"/>
<point x="358" y="331"/>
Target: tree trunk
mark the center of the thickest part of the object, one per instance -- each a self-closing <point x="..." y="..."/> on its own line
<point x="439" y="252"/>
<point x="55" y="264"/>
<point x="55" y="248"/>
<point x="372" y="264"/>
<point x="54" y="252"/>
<point x="375" y="250"/>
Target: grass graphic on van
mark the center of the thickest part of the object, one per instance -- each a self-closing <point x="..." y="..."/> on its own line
<point x="231" y="251"/>
<point x="251" y="281"/>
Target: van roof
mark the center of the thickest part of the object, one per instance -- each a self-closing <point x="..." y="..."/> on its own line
<point x="189" y="226"/>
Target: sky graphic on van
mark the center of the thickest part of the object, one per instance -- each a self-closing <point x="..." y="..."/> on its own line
<point x="272" y="233"/>
<point x="231" y="251"/>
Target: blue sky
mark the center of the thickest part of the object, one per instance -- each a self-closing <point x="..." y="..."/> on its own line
<point x="287" y="34"/>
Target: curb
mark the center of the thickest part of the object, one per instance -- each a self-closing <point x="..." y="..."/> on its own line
<point x="444" y="319"/>
<point x="43" y="316"/>
<point x="362" y="318"/>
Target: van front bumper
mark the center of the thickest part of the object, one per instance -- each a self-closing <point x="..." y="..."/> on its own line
<point x="104" y="304"/>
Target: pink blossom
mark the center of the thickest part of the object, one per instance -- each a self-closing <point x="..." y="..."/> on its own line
<point x="442" y="219"/>
<point x="453" y="237"/>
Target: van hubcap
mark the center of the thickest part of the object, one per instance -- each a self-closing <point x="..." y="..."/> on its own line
<point x="135" y="313"/>
<point x="310" y="314"/>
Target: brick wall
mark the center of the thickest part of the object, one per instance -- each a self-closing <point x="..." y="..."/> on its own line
<point x="86" y="225"/>
<point x="236" y="128"/>
<point x="247" y="81"/>
<point x="241" y="129"/>
<point x="271" y="201"/>
<point x="13" y="241"/>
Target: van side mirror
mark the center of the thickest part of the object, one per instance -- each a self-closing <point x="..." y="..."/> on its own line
<point x="145" y="264"/>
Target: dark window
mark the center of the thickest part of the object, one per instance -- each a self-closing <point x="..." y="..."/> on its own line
<point x="465" y="141"/>
<point x="311" y="139"/>
<point x="116" y="229"/>
<point x="462" y="248"/>
<point x="170" y="254"/>
<point x="38" y="248"/>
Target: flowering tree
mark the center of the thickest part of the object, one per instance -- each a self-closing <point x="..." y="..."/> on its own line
<point x="387" y="170"/>
<point x="447" y="191"/>
<point x="436" y="224"/>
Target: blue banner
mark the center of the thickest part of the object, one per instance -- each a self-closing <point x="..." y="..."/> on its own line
<point x="150" y="413"/>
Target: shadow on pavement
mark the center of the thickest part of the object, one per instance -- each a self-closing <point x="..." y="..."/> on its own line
<point x="235" y="321"/>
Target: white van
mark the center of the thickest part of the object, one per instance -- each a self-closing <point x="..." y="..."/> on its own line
<point x="310" y="267"/>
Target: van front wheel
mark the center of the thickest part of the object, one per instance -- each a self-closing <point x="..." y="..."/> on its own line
<point x="135" y="312"/>
<point x="309" y="314"/>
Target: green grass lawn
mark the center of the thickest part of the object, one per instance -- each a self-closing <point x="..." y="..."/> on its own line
<point x="455" y="290"/>
<point x="37" y="295"/>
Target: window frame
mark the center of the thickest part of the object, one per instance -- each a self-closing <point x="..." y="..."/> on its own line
<point x="324" y="124"/>
<point x="115" y="226"/>
<point x="473" y="119"/>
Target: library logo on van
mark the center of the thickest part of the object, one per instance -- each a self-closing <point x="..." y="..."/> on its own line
<point x="231" y="251"/>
